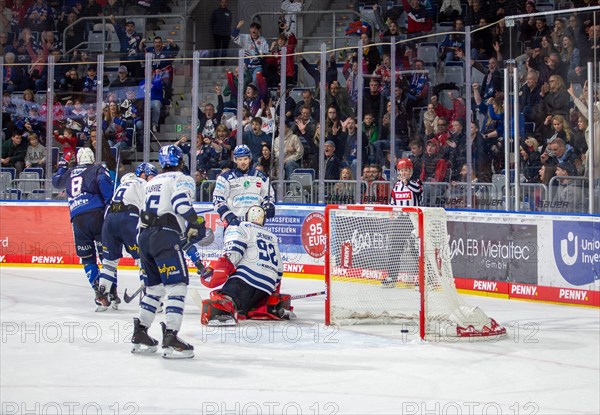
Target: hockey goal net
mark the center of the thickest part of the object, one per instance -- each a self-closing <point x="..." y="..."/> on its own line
<point x="391" y="265"/>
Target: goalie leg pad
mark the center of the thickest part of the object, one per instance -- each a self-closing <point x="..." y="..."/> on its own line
<point x="276" y="307"/>
<point x="219" y="310"/>
<point x="245" y="296"/>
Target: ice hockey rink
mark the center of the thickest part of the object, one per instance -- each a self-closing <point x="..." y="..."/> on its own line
<point x="60" y="357"/>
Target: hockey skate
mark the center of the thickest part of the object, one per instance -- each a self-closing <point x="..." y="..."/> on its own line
<point x="173" y="346"/>
<point x="142" y="342"/>
<point x="113" y="297"/>
<point x="102" y="300"/>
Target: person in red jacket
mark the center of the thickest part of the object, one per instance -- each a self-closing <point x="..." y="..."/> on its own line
<point x="418" y="21"/>
<point x="434" y="167"/>
<point x="289" y="42"/>
<point x="67" y="139"/>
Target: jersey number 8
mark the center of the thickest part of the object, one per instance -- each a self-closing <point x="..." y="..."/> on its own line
<point x="76" y="185"/>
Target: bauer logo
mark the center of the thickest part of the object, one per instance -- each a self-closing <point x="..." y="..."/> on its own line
<point x="577" y="251"/>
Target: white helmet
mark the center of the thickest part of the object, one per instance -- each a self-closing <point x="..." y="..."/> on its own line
<point x="256" y="215"/>
<point x="129" y="177"/>
<point x="85" y="155"/>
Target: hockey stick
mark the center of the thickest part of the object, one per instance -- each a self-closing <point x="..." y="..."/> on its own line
<point x="128" y="298"/>
<point x="196" y="297"/>
<point x="299" y="296"/>
<point x="118" y="161"/>
<point x="189" y="244"/>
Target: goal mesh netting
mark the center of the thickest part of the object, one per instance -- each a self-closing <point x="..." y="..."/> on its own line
<point x="375" y="271"/>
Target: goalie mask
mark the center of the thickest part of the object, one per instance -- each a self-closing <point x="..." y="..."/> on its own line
<point x="256" y="215"/>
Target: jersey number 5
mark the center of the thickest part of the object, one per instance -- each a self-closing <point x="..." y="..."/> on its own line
<point x="266" y="252"/>
<point x="152" y="203"/>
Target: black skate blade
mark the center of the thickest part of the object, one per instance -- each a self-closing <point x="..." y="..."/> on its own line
<point x="171" y="353"/>
<point x="143" y="349"/>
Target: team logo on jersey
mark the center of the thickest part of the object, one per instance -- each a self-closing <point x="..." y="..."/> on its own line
<point x="258" y="184"/>
<point x="167" y="269"/>
<point x="246" y="184"/>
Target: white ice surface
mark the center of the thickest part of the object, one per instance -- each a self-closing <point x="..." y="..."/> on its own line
<point x="58" y="356"/>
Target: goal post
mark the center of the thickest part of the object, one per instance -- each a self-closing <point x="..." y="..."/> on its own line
<point x="392" y="265"/>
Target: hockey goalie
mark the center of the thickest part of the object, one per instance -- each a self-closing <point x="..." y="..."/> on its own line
<point x="250" y="271"/>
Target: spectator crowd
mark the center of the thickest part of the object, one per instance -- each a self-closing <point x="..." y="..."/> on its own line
<point x="431" y="125"/>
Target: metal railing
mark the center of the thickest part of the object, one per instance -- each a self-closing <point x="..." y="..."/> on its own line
<point x="105" y="21"/>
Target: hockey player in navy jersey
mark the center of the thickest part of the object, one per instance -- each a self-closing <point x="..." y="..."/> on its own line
<point x="168" y="222"/>
<point x="239" y="188"/>
<point x="120" y="230"/>
<point x="250" y="269"/>
<point x="89" y="189"/>
<point x="406" y="192"/>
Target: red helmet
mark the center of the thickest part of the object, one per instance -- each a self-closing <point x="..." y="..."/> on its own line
<point x="404" y="164"/>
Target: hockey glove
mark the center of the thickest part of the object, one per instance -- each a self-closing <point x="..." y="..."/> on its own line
<point x="208" y="239"/>
<point x="219" y="274"/>
<point x="231" y="219"/>
<point x="196" y="229"/>
<point x="205" y="273"/>
<point x="269" y="210"/>
<point x="64" y="161"/>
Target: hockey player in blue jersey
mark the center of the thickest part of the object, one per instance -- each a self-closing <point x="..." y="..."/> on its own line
<point x="244" y="186"/>
<point x="168" y="221"/>
<point x="120" y="230"/>
<point x="89" y="189"/>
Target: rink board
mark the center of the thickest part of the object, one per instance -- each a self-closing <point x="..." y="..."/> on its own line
<point x="539" y="257"/>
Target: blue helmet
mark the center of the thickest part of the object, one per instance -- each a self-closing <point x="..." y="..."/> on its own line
<point x="170" y="156"/>
<point x="147" y="168"/>
<point x="242" y="151"/>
